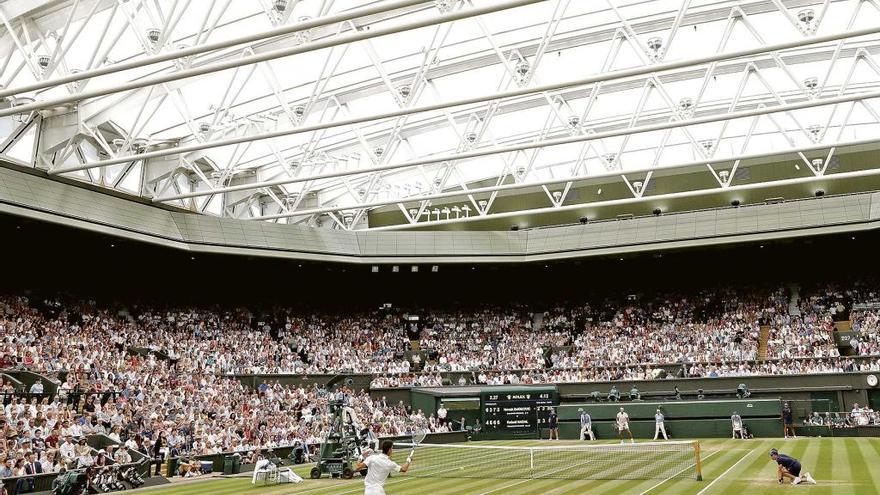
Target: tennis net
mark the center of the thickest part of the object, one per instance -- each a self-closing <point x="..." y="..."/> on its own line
<point x="646" y="460"/>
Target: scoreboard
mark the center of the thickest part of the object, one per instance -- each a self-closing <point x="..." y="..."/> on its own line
<point x="516" y="411"/>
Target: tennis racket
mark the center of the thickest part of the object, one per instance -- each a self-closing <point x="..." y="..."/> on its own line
<point x="418" y="437"/>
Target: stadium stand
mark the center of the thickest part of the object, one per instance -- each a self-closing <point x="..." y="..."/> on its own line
<point x="178" y="391"/>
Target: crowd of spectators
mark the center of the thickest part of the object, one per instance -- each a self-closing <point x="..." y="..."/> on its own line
<point x="175" y="401"/>
<point x="184" y="416"/>
<point x="639" y="373"/>
<point x="866" y="325"/>
<point x="178" y="394"/>
<point x="489" y="338"/>
<point x="392" y="380"/>
<point x="636" y="332"/>
<point x="858" y="302"/>
<point x="808" y="335"/>
<point x="707" y="326"/>
<point x="859" y="416"/>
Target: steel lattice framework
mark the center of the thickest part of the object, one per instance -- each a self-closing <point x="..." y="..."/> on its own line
<point x="320" y="112"/>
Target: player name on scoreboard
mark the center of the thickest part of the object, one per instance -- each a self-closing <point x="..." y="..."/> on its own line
<point x="516" y="410"/>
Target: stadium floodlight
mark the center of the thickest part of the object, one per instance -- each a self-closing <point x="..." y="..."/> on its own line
<point x="522" y="69"/>
<point x="647" y="460"/>
<point x="404" y="91"/>
<point x="811" y="85"/>
<point x="655" y="44"/>
<point x="43" y="61"/>
<point x="806" y="18"/>
<point x="153" y="35"/>
<point x="685" y="104"/>
<point x="21" y="101"/>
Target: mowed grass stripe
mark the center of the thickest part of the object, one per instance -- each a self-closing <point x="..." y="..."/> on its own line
<point x="810" y="459"/>
<point x="712" y="468"/>
<point x="858" y="467"/>
<point x="441" y="487"/>
<point x="823" y="469"/>
<point x="744" y="461"/>
<point x="681" y="467"/>
<point x="758" y="466"/>
<point x="654" y="486"/>
<point x="870" y="449"/>
<point x="219" y="487"/>
<point x="841" y="460"/>
<point x="470" y="486"/>
<point x="841" y="465"/>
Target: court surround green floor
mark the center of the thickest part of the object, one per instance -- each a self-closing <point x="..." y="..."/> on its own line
<point x="842" y="466"/>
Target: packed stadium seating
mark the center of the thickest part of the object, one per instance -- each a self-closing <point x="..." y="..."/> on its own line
<point x="180" y="393"/>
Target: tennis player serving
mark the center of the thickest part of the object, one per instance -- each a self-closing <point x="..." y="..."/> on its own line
<point x="379" y="466"/>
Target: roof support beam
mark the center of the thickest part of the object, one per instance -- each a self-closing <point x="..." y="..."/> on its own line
<point x="637" y="71"/>
<point x="673" y="124"/>
<point x="377" y="8"/>
<point x="261" y="57"/>
<point x="570" y="179"/>
<point x="637" y="199"/>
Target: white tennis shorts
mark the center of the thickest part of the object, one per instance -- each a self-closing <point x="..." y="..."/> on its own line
<point x="374" y="490"/>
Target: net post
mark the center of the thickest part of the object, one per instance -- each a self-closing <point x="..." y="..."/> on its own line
<point x="699" y="462"/>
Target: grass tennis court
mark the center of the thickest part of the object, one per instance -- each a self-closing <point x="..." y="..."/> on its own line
<point x="841" y="466"/>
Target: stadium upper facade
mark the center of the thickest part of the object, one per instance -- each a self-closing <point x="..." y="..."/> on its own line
<point x="353" y="116"/>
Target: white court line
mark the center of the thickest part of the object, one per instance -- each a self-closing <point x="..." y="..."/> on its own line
<point x="676" y="474"/>
<point x="701" y="492"/>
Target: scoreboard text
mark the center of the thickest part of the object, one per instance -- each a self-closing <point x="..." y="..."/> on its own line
<point x="516" y="411"/>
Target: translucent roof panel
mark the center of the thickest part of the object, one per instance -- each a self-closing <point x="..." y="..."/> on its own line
<point x="531" y="92"/>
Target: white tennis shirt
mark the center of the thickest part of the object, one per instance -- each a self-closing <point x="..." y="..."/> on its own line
<point x="379" y="467"/>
